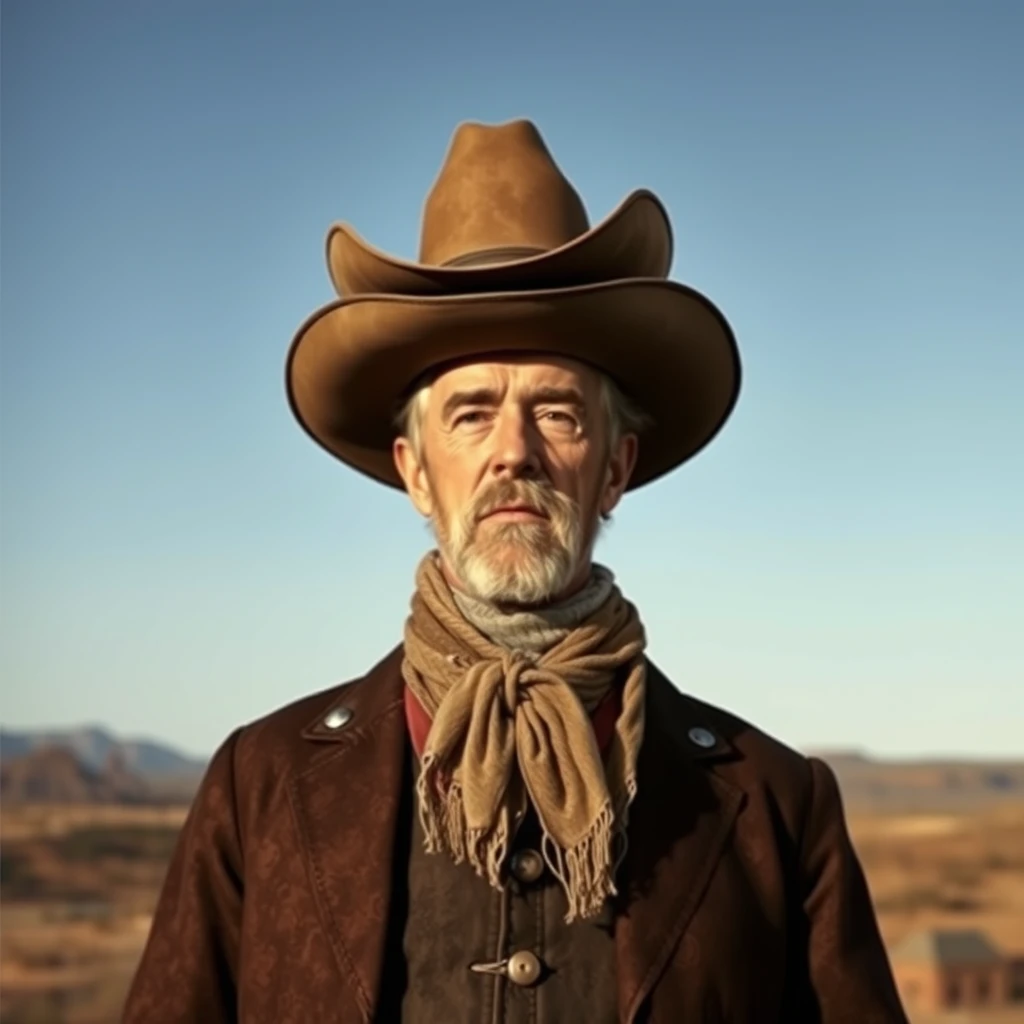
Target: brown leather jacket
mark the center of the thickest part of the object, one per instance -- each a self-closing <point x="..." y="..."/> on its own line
<point x="742" y="899"/>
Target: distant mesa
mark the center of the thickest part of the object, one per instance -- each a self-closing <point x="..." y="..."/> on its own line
<point x="91" y="766"/>
<point x="924" y="786"/>
<point x="93" y="745"/>
<point x="56" y="775"/>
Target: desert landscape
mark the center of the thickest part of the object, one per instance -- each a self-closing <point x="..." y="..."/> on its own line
<point x="87" y="830"/>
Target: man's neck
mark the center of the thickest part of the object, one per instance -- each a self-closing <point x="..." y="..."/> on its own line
<point x="537" y="629"/>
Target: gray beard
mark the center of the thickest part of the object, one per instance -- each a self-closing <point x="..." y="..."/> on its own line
<point x="537" y="630"/>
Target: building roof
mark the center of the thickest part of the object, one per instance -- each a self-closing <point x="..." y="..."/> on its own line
<point x="946" y="947"/>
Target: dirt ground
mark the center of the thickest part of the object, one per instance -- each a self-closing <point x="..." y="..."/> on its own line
<point x="947" y="871"/>
<point x="951" y="871"/>
<point x="79" y="885"/>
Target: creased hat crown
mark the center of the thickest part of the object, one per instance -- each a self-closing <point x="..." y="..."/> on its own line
<point x="500" y="196"/>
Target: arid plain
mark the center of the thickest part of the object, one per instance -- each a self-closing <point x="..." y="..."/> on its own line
<point x="942" y="845"/>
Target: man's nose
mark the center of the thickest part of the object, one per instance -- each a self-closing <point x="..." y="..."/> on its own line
<point x="516" y="451"/>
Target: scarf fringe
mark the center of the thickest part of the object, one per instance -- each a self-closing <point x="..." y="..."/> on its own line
<point x="586" y="871"/>
<point x="443" y="819"/>
<point x="441" y="811"/>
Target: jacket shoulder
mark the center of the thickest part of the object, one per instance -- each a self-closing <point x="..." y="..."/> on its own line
<point x="747" y="756"/>
<point x="284" y="739"/>
<point x="360" y="690"/>
<point x="750" y="744"/>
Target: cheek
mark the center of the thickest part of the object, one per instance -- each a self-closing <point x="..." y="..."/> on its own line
<point x="581" y="475"/>
<point x="451" y="480"/>
<point x="596" y="481"/>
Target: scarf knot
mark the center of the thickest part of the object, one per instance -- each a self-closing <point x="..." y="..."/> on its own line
<point x="511" y="727"/>
<point x="515" y="670"/>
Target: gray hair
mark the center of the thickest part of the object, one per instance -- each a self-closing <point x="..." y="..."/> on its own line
<point x="622" y="415"/>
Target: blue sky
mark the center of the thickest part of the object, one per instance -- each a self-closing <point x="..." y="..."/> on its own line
<point x="843" y="566"/>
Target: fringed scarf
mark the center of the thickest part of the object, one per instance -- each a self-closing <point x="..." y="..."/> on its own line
<point x="510" y="726"/>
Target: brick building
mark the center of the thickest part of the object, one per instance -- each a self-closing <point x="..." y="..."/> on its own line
<point x="950" y="970"/>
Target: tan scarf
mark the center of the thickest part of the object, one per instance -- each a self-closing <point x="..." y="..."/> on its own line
<point x="508" y="726"/>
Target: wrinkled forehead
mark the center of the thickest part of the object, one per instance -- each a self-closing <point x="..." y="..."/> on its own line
<point x="516" y="375"/>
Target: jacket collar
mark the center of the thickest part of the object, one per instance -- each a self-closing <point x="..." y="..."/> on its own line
<point x="346" y="799"/>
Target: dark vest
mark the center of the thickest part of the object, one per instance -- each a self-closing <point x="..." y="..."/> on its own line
<point x="470" y="953"/>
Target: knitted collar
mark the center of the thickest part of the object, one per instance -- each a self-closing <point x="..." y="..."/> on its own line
<point x="537" y="630"/>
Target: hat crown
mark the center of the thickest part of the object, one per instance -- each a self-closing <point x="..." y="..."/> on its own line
<point x="499" y="196"/>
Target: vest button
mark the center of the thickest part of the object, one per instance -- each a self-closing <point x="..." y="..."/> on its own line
<point x="527" y="865"/>
<point x="523" y="968"/>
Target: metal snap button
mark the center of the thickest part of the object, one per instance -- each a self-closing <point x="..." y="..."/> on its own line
<point x="337" y="718"/>
<point x="702" y="737"/>
<point x="523" y="968"/>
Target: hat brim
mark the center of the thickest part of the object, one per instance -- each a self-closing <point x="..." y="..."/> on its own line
<point x="634" y="240"/>
<point x="669" y="348"/>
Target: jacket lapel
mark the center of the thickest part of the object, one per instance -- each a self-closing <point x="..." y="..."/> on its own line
<point x="345" y="803"/>
<point x="679" y="825"/>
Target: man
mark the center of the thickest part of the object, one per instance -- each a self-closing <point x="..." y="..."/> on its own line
<point x="514" y="816"/>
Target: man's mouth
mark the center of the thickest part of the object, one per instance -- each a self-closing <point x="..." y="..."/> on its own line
<point x="515" y="513"/>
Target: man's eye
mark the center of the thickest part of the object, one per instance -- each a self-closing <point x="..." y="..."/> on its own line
<point x="468" y="418"/>
<point x="559" y="421"/>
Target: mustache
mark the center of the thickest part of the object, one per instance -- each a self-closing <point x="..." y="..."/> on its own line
<point x="540" y="497"/>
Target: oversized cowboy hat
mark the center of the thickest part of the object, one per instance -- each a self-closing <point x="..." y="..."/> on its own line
<point x="509" y="264"/>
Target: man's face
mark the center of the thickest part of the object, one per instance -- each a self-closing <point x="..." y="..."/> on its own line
<point x="515" y="469"/>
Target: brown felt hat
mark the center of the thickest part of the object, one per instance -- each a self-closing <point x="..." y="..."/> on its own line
<point x="508" y="263"/>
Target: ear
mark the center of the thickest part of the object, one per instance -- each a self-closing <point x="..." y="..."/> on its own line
<point x="414" y="475"/>
<point x="621" y="464"/>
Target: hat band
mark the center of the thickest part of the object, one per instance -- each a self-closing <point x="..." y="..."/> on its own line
<point x="502" y="254"/>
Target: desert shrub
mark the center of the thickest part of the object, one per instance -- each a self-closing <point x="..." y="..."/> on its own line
<point x="37" y="1008"/>
<point x="926" y="898"/>
<point x="49" y="1006"/>
<point x="127" y="842"/>
<point x="17" y="879"/>
<point x="1000" y="860"/>
<point x="964" y="876"/>
<point x="1001" y="780"/>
